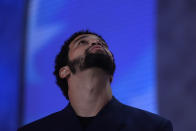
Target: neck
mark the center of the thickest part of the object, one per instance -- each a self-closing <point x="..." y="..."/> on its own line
<point x="89" y="91"/>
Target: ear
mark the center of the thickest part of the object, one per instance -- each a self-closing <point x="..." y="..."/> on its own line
<point x="64" y="72"/>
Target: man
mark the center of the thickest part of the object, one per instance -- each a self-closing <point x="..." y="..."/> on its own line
<point x="84" y="70"/>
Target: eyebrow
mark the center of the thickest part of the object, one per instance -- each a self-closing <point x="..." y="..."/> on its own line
<point x="82" y="37"/>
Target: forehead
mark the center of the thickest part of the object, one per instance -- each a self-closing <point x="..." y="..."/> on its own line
<point x="84" y="36"/>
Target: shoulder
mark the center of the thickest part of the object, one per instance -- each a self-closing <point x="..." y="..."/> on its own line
<point x="46" y="123"/>
<point x="144" y="119"/>
<point x="137" y="113"/>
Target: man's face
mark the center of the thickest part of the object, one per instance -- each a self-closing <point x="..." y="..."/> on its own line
<point x="89" y="42"/>
<point x="87" y="51"/>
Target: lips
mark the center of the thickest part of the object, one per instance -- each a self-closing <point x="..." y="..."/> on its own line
<point x="96" y="47"/>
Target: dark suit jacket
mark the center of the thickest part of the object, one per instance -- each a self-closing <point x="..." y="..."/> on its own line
<point x="114" y="116"/>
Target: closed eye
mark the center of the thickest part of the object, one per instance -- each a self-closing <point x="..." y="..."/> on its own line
<point x="82" y="42"/>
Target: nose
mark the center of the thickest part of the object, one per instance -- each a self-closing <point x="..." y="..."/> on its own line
<point x="95" y="43"/>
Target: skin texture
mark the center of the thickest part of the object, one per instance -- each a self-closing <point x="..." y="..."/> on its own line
<point x="89" y="90"/>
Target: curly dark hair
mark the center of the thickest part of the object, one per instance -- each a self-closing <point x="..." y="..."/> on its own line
<point x="62" y="60"/>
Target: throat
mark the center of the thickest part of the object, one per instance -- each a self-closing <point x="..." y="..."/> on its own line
<point x="89" y="91"/>
<point x="88" y="105"/>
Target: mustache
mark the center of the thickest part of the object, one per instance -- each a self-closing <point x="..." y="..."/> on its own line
<point x="87" y="51"/>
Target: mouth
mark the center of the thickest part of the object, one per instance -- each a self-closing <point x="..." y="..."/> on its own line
<point x="96" y="48"/>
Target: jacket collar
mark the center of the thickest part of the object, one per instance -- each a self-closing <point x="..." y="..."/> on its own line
<point x="107" y="119"/>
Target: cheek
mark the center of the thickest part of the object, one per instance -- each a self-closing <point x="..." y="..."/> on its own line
<point x="76" y="53"/>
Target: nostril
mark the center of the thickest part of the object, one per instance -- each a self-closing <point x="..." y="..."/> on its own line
<point x="93" y="43"/>
<point x="99" y="43"/>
